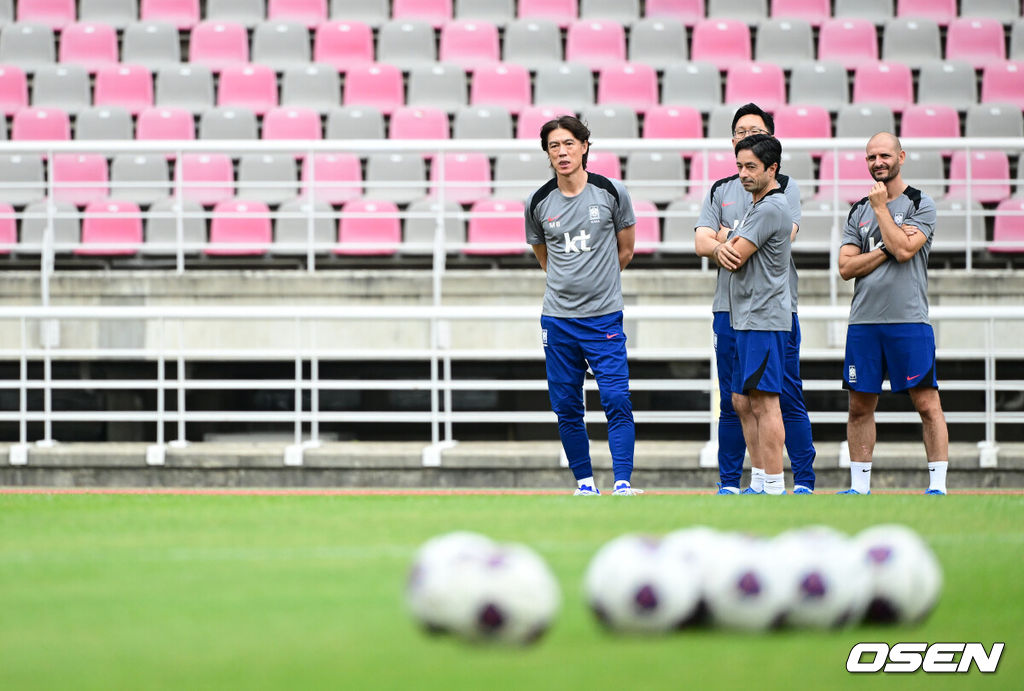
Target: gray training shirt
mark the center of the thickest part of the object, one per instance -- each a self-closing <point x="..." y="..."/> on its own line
<point x="759" y="290"/>
<point x="583" y="277"/>
<point x="725" y="204"/>
<point x="893" y="293"/>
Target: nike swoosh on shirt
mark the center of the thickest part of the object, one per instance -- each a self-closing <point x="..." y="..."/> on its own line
<point x="864" y="224"/>
<point x="554" y="218"/>
<point x="727" y="203"/>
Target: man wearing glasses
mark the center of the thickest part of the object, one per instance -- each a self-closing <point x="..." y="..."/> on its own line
<point x="724" y="207"/>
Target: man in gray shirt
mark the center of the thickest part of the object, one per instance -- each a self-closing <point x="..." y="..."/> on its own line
<point x="581" y="228"/>
<point x="885" y="246"/>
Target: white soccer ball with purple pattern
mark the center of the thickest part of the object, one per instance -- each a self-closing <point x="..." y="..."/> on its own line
<point x="750" y="586"/>
<point x="904" y="575"/>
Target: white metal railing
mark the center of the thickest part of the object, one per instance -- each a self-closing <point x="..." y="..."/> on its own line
<point x="441" y="417"/>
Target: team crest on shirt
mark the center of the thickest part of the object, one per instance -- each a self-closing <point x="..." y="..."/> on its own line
<point x="898" y="219"/>
<point x="595" y="213"/>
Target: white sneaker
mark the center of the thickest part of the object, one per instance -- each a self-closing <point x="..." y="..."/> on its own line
<point x="586" y="491"/>
<point x="626" y="491"/>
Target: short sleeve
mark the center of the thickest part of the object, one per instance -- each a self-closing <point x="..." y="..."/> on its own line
<point x="924" y="216"/>
<point x="851" y="233"/>
<point x="534" y="232"/>
<point x="793" y="198"/>
<point x="624" y="216"/>
<point x="710" y="212"/>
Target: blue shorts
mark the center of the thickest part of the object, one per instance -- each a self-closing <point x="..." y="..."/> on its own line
<point x="906" y="352"/>
<point x="760" y="361"/>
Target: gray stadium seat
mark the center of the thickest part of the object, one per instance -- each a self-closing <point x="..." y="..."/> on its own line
<point x="994" y="120"/>
<point x="315" y="86"/>
<point x="877" y="11"/>
<point x="22" y="178"/>
<point x="152" y="44"/>
<point x="611" y="122"/>
<point x="516" y="175"/>
<point x="785" y="42"/>
<point x="658" y="43"/>
<point x="248" y="13"/>
<point x="400" y="178"/>
<point x="569" y="85"/>
<point x="643" y="167"/>
<point x="6" y="12"/>
<point x="913" y="41"/>
<point x="497" y="12"/>
<point x="115" y="13"/>
<point x="187" y="86"/>
<point x="354" y="122"/>
<point x="622" y="11"/>
<point x="922" y="166"/>
<point x="438" y="85"/>
<point x="694" y="84"/>
<point x="482" y="122"/>
<point x="291" y="225"/>
<point x="817" y="219"/>
<point x="951" y="225"/>
<point x="1005" y="11"/>
<point x="228" y="122"/>
<point x="406" y="44"/>
<point x="720" y="122"/>
<point x="799" y="166"/>
<point x="372" y="12"/>
<point x="268" y="178"/>
<point x="864" y="121"/>
<point x="421" y="230"/>
<point x="104" y="122"/>
<point x="280" y="45"/>
<point x="3" y="128"/>
<point x="952" y="83"/>
<point x="1017" y="40"/>
<point x="139" y="178"/>
<point x="532" y="43"/>
<point x="750" y="11"/>
<point x="64" y="86"/>
<point x="822" y="84"/>
<point x="680" y="220"/>
<point x="161" y="226"/>
<point x="28" y="45"/>
<point x="66" y="228"/>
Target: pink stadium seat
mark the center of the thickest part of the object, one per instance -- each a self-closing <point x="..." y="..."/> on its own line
<point x="343" y="43"/>
<point x="114" y="223"/>
<point x="205" y="178"/>
<point x="689" y="12"/>
<point x="761" y="82"/>
<point x="884" y="83"/>
<point x="941" y="11"/>
<point x="648" y="235"/>
<point x="628" y="84"/>
<point x="79" y="178"/>
<point x="13" y="89"/>
<point x="55" y="14"/>
<point x="595" y="43"/>
<point x="1003" y="82"/>
<point x="977" y="41"/>
<point x="849" y="42"/>
<point x="369" y="221"/>
<point x="435" y="12"/>
<point x="336" y="178"/>
<point x="8" y="228"/>
<point x="990" y="176"/>
<point x="243" y="224"/>
<point x="307" y="12"/>
<point x="184" y="14"/>
<point x="40" y="124"/>
<point x="290" y="122"/>
<point x="604" y="163"/>
<point x="501" y="84"/>
<point x="418" y="122"/>
<point x="165" y="123"/>
<point x="469" y="44"/>
<point x="854" y="180"/>
<point x="498" y="223"/>
<point x="127" y="86"/>
<point x="562" y="12"/>
<point x="721" y="42"/>
<point x="930" y="121"/>
<point x="532" y="118"/>
<point x="720" y="164"/>
<point x="1008" y="228"/>
<point x="467" y="177"/>
<point x="88" y="44"/>
<point x="248" y="86"/>
<point x="378" y="85"/>
<point x="813" y="12"/>
<point x="673" y="122"/>
<point x="219" y="44"/>
<point x="794" y="122"/>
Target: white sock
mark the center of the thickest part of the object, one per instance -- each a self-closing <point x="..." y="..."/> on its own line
<point x="937" y="475"/>
<point x="588" y="481"/>
<point x="732" y="490"/>
<point x="619" y="484"/>
<point x="757" y="479"/>
<point x="860" y="477"/>
<point x="774" y="484"/>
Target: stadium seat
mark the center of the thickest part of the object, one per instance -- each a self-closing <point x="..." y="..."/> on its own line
<point x="161" y="226"/>
<point x="242" y="226"/>
<point x="165" y="123"/>
<point x="799" y="165"/>
<point x="680" y="219"/>
<point x="290" y="122"/>
<point x="977" y="41"/>
<point x="40" y="124"/>
<point x="111" y="227"/>
<point x="248" y="13"/>
<point x="1017" y="40"/>
<point x="1003" y="11"/>
<point x="104" y="122"/>
<point x="816" y="225"/>
<point x="13" y="89"/>
<point x="689" y="12"/>
<point x="308" y="12"/>
<point x="56" y="14"/>
<point x="1003" y="82"/>
<point x="634" y="85"/>
<point x="469" y="44"/>
<point x="281" y="45"/>
<point x="568" y="85"/>
<point x="875" y="11"/>
<point x="706" y="168"/>
<point x="611" y="122"/>
<point x="335" y="177"/>
<point x="185" y="86"/>
<point x="438" y="85"/>
<point x="466" y="176"/>
<point x="127" y="86"/>
<point x="814" y="12"/>
<point x="313" y="86"/>
<point x="913" y="42"/>
<point x="719" y="124"/>
<point x="721" y="42"/>
<point x="421" y="225"/>
<point x="845" y="173"/>
<point x="497" y="12"/>
<point x="562" y="12"/>
<point x="532" y="44"/>
<point x="482" y="122"/>
<point x="849" y="42"/>
<point x="22" y="178"/>
<point x="369" y="227"/>
<point x="435" y="12"/>
<point x="785" y="42"/>
<point x="505" y="85"/>
<point x="292" y="226"/>
<point x="413" y="122"/>
<point x="378" y="85"/>
<point x="595" y="44"/>
<point x="218" y="45"/>
<point x="694" y="84"/>
<point x="658" y="43"/>
<point x="139" y="178"/>
<point x="926" y="170"/>
<point x="228" y="123"/>
<point x="1008" y="232"/>
<point x="673" y="122"/>
<point x="343" y="43"/>
<point x="795" y="122"/>
<point x="8" y="228"/>
<point x="884" y="83"/>
<point x="152" y="44"/>
<point x="648" y="231"/>
<point x="989" y="175"/>
<point x="531" y="119"/>
<point x="79" y="178"/>
<point x="27" y="45"/>
<point x="761" y="82"/>
<point x="994" y="120"/>
<point x="372" y="12"/>
<point x="622" y="11"/>
<point x="657" y="176"/>
<point x="266" y="177"/>
<point x="248" y="86"/>
<point x="354" y="122"/>
<point x="942" y="12"/>
<point x="518" y="174"/>
<point x="930" y="121"/>
<point x="604" y="163"/>
<point x="863" y="120"/>
<point x="399" y="178"/>
<point x="62" y="217"/>
<point x="750" y="12"/>
<point x="88" y="45"/>
<point x="183" y="14"/>
<point x="61" y="86"/>
<point x="950" y="83"/>
<point x="406" y="44"/>
<point x="496" y="227"/>
<point x="952" y="229"/>
<point x="204" y="178"/>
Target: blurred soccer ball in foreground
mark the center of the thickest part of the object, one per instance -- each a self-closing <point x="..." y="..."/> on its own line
<point x="904" y="575"/>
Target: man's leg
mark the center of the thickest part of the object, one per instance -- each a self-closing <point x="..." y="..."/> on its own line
<point x="936" y="434"/>
<point x="565" y="367"/>
<point x="732" y="446"/>
<point x="799" y="443"/>
<point x="860" y="437"/>
<point x="608" y="362"/>
<point x="741" y="404"/>
<point x="771" y="434"/>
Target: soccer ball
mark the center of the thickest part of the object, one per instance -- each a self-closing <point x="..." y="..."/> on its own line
<point x="750" y="586"/>
<point x="904" y="575"/>
<point x="429" y="591"/>
<point x="633" y="586"/>
<point x="693" y="549"/>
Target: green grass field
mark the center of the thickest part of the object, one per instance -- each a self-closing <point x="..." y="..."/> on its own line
<point x="297" y="592"/>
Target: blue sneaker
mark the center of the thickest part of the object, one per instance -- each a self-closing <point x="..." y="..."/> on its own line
<point x="586" y="491"/>
<point x="724" y="490"/>
<point x="935" y="491"/>
<point x="851" y="491"/>
<point x="800" y="489"/>
<point x="748" y="490"/>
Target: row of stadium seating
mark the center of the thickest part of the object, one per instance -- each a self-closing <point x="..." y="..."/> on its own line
<point x="186" y="13"/>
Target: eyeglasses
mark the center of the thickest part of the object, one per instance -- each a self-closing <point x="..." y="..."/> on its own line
<point x="746" y="133"/>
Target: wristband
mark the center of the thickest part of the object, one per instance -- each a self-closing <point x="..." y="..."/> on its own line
<point x="887" y="253"/>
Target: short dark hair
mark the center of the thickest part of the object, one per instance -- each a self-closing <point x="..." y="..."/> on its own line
<point x="754" y="109"/>
<point x="566" y="122"/>
<point x="765" y="147"/>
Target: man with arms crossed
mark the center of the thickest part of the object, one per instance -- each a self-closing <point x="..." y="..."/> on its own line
<point x="723" y="208"/>
<point x="582" y="228"/>
<point x="886" y="242"/>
